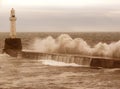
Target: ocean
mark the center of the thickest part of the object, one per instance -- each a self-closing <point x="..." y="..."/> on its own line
<point x="21" y="73"/>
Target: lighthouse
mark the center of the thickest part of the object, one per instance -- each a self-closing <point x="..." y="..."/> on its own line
<point x="13" y="45"/>
<point x="12" y="24"/>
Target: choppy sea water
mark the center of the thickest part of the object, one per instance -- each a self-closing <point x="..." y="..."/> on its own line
<point x="16" y="73"/>
<point x="92" y="38"/>
<point x="21" y="73"/>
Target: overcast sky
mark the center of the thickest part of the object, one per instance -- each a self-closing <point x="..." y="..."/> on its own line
<point x="61" y="15"/>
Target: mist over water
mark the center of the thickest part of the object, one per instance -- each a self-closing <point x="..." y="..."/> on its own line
<point x="66" y="44"/>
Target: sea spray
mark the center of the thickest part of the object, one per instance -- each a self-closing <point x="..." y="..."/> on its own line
<point x="65" y="44"/>
<point x="3" y="56"/>
<point x="45" y="45"/>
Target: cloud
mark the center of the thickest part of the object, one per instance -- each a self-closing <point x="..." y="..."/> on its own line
<point x="115" y="14"/>
<point x="63" y="19"/>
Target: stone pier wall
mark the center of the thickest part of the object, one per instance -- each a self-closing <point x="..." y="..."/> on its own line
<point x="78" y="59"/>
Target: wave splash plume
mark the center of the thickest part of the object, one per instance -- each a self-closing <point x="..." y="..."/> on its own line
<point x="66" y="44"/>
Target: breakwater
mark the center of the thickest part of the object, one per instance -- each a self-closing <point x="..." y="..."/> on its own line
<point x="90" y="61"/>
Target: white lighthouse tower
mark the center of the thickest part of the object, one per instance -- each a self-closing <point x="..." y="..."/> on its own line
<point x="13" y="45"/>
<point x="12" y="24"/>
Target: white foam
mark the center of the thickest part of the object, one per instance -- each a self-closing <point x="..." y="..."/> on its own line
<point x="4" y="55"/>
<point x="55" y="63"/>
